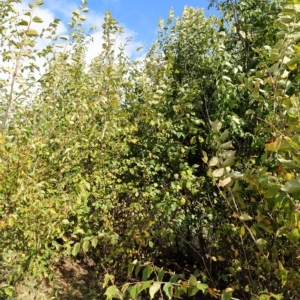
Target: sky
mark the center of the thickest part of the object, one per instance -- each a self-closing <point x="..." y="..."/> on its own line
<point x="138" y="17"/>
<point x="141" y="16"/>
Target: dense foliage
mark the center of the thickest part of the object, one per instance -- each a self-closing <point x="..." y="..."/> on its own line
<point x="176" y="174"/>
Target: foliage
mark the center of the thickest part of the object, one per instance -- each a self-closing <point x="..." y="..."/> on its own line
<point x="176" y="174"/>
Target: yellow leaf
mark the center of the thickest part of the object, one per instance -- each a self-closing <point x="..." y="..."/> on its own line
<point x="297" y="48"/>
<point x="292" y="67"/>
<point x="11" y="221"/>
<point x="236" y="253"/>
<point x="182" y="201"/>
<point x="242" y="231"/>
<point x="214" y="258"/>
<point x="204" y="158"/>
<point x="288" y="176"/>
<point x="3" y="224"/>
<point x="274" y="146"/>
<point x="52" y="211"/>
<point x="281" y="267"/>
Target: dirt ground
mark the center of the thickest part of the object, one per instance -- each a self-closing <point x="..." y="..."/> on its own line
<point x="75" y="281"/>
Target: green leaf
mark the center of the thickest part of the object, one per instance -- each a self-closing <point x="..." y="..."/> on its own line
<point x="202" y="287"/>
<point x="262" y="243"/>
<point x="85" y="246"/>
<point x="64" y="37"/>
<point x="134" y="291"/>
<point x="94" y="242"/>
<point x="137" y="270"/>
<point x="168" y="289"/>
<point x="76" y="249"/>
<point x="174" y="278"/>
<point x="264" y="297"/>
<point x="291" y="186"/>
<point x="146" y="285"/>
<point x="294" y="235"/>
<point x="37" y="19"/>
<point x="8" y="291"/>
<point x="113" y="292"/>
<point x="193" y="290"/>
<point x="11" y="221"/>
<point x="277" y="296"/>
<point x="22" y="23"/>
<point x="161" y="275"/>
<point x="146" y="273"/>
<point x="193" y="280"/>
<point x="154" y="289"/>
<point x="226" y="296"/>
<point x="108" y="278"/>
<point x="31" y="32"/>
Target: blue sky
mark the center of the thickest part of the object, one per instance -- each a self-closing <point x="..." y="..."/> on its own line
<point x="141" y="16"/>
<point x="139" y="19"/>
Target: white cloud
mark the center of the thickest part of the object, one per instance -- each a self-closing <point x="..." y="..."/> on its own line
<point x="49" y="11"/>
<point x="130" y="50"/>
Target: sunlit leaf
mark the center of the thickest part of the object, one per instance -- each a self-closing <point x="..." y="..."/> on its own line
<point x="113" y="292"/>
<point x="245" y="217"/>
<point x="218" y="173"/>
<point x="76" y="249"/>
<point x="64" y="37"/>
<point x="213" y="162"/>
<point x="274" y="146"/>
<point x="202" y="287"/>
<point x="37" y="19"/>
<point x="168" y="289"/>
<point x="216" y="126"/>
<point x="291" y="186"/>
<point x="193" y="280"/>
<point x="224" y="182"/>
<point x="31" y="32"/>
<point x="85" y="246"/>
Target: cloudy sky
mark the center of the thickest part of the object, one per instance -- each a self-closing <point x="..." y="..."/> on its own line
<point x="141" y="16"/>
<point x="138" y="17"/>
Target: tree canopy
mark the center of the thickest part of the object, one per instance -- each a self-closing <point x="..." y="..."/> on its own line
<point x="176" y="174"/>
